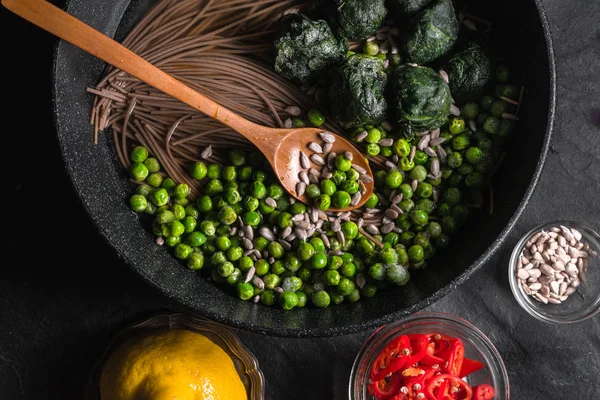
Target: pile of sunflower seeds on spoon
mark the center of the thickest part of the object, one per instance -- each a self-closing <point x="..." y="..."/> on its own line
<point x="553" y="264"/>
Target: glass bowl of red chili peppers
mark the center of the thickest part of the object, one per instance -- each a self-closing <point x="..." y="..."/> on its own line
<point x="429" y="356"/>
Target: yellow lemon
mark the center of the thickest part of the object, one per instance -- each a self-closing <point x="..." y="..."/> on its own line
<point x="174" y="364"/>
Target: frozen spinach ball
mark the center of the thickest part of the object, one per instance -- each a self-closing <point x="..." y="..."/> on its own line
<point x="356" y="19"/>
<point x="422" y="99"/>
<point x="305" y="47"/>
<point x="469" y="72"/>
<point x="432" y="32"/>
<point x="357" y="89"/>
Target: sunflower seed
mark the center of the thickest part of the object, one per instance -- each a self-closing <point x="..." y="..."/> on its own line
<point x="366" y="178"/>
<point x="361" y="136"/>
<point x="271" y="202"/>
<point x="541" y="298"/>
<point x="535" y="273"/>
<point x="454" y="110"/>
<point x="442" y="154"/>
<point x="444" y="75"/>
<point x="315" y="147"/>
<point x="391" y="213"/>
<point x="437" y="141"/>
<point x="545" y="290"/>
<point x="356" y="197"/>
<point x="414" y="184"/>
<point x="327" y="137"/>
<point x="534" y="287"/>
<point x="423" y="142"/>
<point x="396" y="199"/>
<point x="373" y="229"/>
<point x="293" y="111"/>
<point x="313" y="178"/>
<point x="288" y="123"/>
<point x="430" y="152"/>
<point x="317" y="159"/>
<point x="387" y="228"/>
<point x="386" y="142"/>
<point x="206" y="153"/>
<point x="522" y="274"/>
<point x="304" y="161"/>
<point x="159" y="240"/>
<point x="360" y="222"/>
<point x="327" y="148"/>
<point x="473" y="125"/>
<point x="435" y="166"/>
<point x="413" y="151"/>
<point x="266" y="233"/>
<point x="250" y="274"/>
<point x="510" y="116"/>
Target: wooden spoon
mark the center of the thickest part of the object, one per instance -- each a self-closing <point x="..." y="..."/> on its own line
<point x="282" y="147"/>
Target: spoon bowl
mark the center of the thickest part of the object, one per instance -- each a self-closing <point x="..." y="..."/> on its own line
<point x="280" y="146"/>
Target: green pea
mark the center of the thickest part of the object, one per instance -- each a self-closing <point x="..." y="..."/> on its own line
<point x="336" y="297"/>
<point x="267" y="298"/>
<point x="323" y="202"/>
<point x="259" y="176"/>
<point x="406" y="205"/>
<point x="406" y="238"/>
<point x="416" y="253"/>
<point x="457" y="126"/>
<point x="386" y="151"/>
<point x="138" y="202"/>
<point x="320" y="299"/>
<point x="460" y="212"/>
<point x="228" y="173"/>
<point x="491" y="125"/>
<point x="342" y="163"/>
<point x="418" y="173"/>
<point x="506" y="90"/>
<point x="455" y="180"/>
<point x="245" y="263"/>
<point x="144" y="190"/>
<point x="393" y="179"/>
<point x="461" y="142"/>
<point x="350" y="230"/>
<point x="235" y="277"/>
<point x="225" y="269"/>
<point x="443" y="209"/>
<point x="318" y="244"/>
<point x="138" y="172"/>
<point x="261" y="267"/>
<point x="486" y="102"/>
<point x="260" y="243"/>
<point x="377" y="272"/>
<point x="305" y="251"/>
<point x="258" y="190"/>
<point x="373" y="149"/>
<point x="401" y="147"/>
<point x="506" y="127"/>
<point x="421" y="158"/>
<point x="369" y="290"/>
<point x="237" y="157"/>
<point x="318" y="261"/>
<point x="406" y="164"/>
<point x="271" y="281"/>
<point x="301" y="299"/>
<point x="292" y="263"/>
<point x="152" y="164"/>
<point x="178" y="211"/>
<point x="227" y="215"/>
<point x="498" y="108"/>
<point x="404" y="222"/>
<point x="173" y="241"/>
<point x="502" y="73"/>
<point x="214" y="171"/>
<point x="419" y="217"/>
<point x="298" y="123"/>
<point x="139" y="154"/>
<point x="222" y="243"/>
<point x="424" y="190"/>
<point x="232" y="195"/>
<point x="341" y="199"/>
<point x="373" y="135"/>
<point x="288" y="300"/>
<point x="373" y="201"/>
<point x="245" y="291"/>
<point x="338" y="177"/>
<point x="276" y="249"/>
<point x="470" y="110"/>
<point x="452" y="196"/>
<point x="370" y="48"/>
<point x="348" y="269"/>
<point x="388" y="256"/>
<point x="208" y="228"/>
<point x="204" y="204"/>
<point x="449" y="225"/>
<point x="154" y="179"/>
<point x="298" y="208"/>
<point x="195" y="238"/>
<point x="195" y="261"/>
<point x="328" y="187"/>
<point x="213" y="187"/>
<point x="392" y="238"/>
<point x="199" y="170"/>
<point x="313" y="191"/>
<point x="331" y="277"/>
<point x="182" y="251"/>
<point x="364" y="246"/>
<point x="402" y="255"/>
<point x="345" y="286"/>
<point x="266" y="209"/>
<point x="159" y="197"/>
<point x="315" y="117"/>
<point x="189" y="223"/>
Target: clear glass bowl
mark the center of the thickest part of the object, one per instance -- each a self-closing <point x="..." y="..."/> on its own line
<point x="477" y="346"/>
<point x="245" y="362"/>
<point x="579" y="306"/>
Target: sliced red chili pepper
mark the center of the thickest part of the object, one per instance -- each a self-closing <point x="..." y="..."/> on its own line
<point x="418" y="347"/>
<point x="417" y="384"/>
<point x="454" y="357"/>
<point x="483" y="392"/>
<point x="445" y="386"/>
<point x="387" y="387"/>
<point x="391" y="359"/>
<point x="392" y="352"/>
<point x="469" y="366"/>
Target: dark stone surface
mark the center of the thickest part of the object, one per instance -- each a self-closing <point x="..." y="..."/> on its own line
<point x="63" y="292"/>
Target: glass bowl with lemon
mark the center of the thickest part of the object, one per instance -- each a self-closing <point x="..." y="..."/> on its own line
<point x="176" y="356"/>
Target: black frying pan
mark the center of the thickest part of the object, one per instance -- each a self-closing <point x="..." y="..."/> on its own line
<point x="520" y="32"/>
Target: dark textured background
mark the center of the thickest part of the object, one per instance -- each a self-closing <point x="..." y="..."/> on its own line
<point x="63" y="292"/>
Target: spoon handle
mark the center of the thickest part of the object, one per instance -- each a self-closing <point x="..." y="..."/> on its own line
<point x="62" y="24"/>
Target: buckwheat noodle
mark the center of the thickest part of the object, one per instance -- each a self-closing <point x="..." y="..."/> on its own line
<point x="221" y="48"/>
